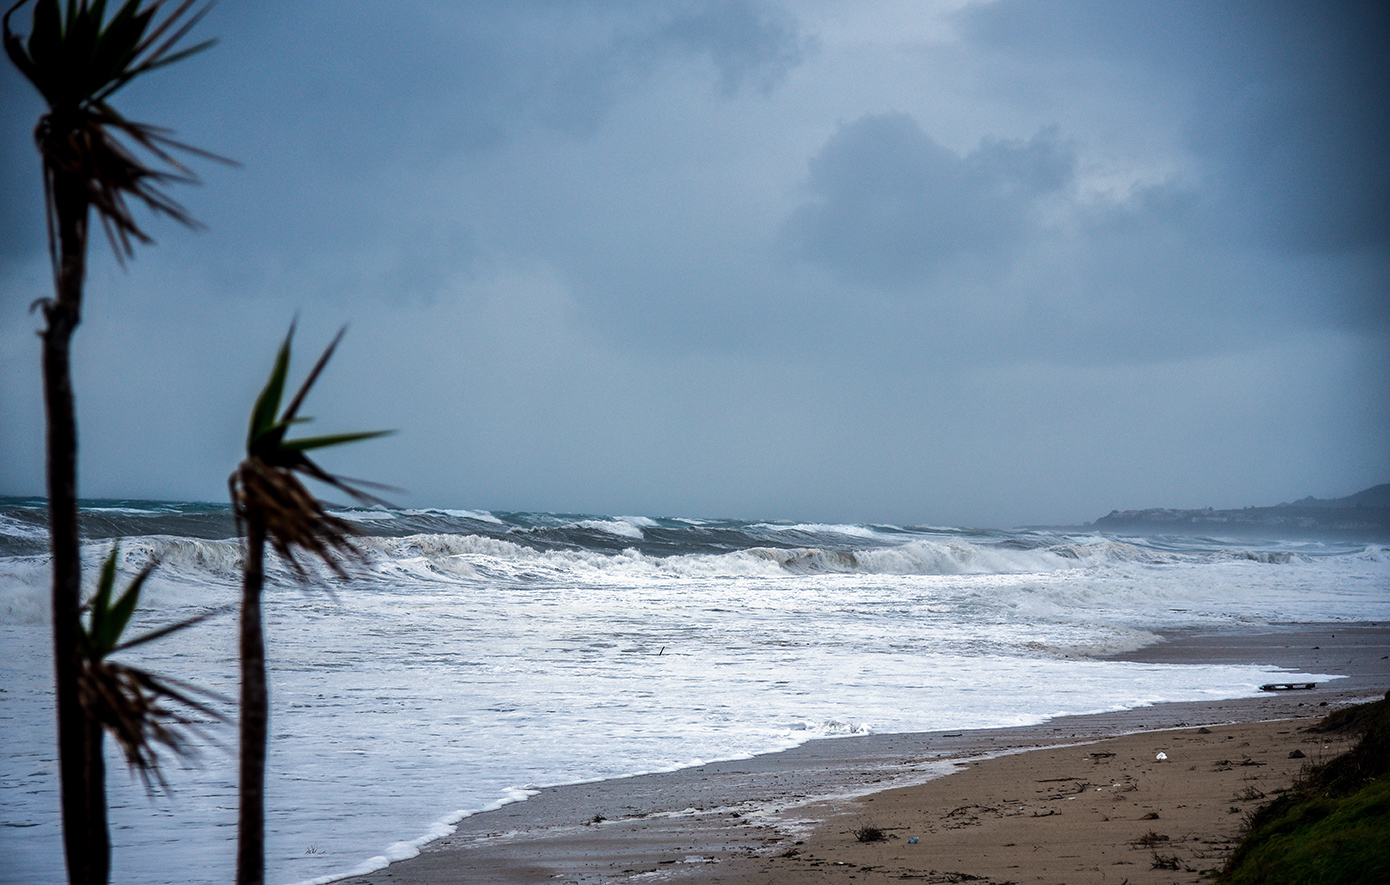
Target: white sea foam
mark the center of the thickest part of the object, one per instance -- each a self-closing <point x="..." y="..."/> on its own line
<point x="623" y="528"/>
<point x="848" y="531"/>
<point x="364" y="515"/>
<point x="917" y="557"/>
<point x="15" y="528"/>
<point x="25" y="590"/>
<point x="478" y="515"/>
<point x="411" y="848"/>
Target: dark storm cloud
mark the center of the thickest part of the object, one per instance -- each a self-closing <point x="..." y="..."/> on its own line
<point x="1289" y="108"/>
<point x="1275" y="221"/>
<point x="748" y="257"/>
<point x="404" y="85"/>
<point x="21" y="230"/>
<point x="350" y="111"/>
<point x="745" y="41"/>
<point x="890" y="204"/>
<point x="466" y="77"/>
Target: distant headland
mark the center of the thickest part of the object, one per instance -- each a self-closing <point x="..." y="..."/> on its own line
<point x="1362" y="515"/>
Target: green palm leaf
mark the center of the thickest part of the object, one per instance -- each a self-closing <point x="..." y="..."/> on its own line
<point x="336" y="439"/>
<point x="268" y="403"/>
<point x="265" y="486"/>
<point x="109" y="621"/>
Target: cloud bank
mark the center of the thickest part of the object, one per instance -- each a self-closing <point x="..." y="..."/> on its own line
<point x="986" y="263"/>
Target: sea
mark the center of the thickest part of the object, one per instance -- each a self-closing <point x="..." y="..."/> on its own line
<point x="476" y="656"/>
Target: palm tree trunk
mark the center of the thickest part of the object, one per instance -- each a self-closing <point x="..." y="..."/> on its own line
<point x="255" y="703"/>
<point x="98" y="833"/>
<point x="81" y="773"/>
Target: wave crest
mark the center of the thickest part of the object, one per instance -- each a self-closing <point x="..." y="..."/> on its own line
<point x="466" y="554"/>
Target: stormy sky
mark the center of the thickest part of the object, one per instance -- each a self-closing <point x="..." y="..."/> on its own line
<point x="971" y="263"/>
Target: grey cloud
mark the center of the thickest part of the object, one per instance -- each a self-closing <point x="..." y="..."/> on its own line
<point x="1010" y="264"/>
<point x="890" y="204"/>
<point x="745" y="41"/>
<point x="21" y="208"/>
<point x="346" y="111"/>
<point x="467" y="77"/>
<point x="429" y="259"/>
<point x="1304" y="166"/>
<point x="1287" y="102"/>
<point x="614" y="256"/>
<point x="335" y="118"/>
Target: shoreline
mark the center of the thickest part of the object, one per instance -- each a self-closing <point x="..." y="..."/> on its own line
<point x="727" y="820"/>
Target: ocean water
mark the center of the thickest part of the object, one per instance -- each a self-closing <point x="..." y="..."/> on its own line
<point x="477" y="656"/>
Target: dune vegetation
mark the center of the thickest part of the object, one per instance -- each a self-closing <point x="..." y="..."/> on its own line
<point x="1331" y="826"/>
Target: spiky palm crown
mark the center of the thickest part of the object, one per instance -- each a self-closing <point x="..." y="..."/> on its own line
<point x="142" y="711"/>
<point x="265" y="486"/>
<point x="77" y="59"/>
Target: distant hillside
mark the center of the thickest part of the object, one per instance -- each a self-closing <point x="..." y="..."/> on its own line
<point x="1376" y="496"/>
<point x="1362" y="515"/>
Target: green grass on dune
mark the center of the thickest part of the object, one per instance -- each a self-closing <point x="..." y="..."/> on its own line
<point x="1333" y="826"/>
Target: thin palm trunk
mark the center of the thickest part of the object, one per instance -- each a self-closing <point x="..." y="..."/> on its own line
<point x="255" y="703"/>
<point x="82" y="768"/>
<point x="271" y="504"/>
<point x="77" y="58"/>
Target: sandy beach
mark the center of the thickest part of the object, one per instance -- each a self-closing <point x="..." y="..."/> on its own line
<point x="1076" y="799"/>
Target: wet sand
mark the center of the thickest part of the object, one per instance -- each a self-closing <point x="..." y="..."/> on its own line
<point x="1073" y="811"/>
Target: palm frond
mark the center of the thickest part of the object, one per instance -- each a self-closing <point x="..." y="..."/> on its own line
<point x="136" y="708"/>
<point x="77" y="61"/>
<point x="268" y="403"/>
<point x="265" y="485"/>
<point x="161" y="632"/>
<point x="141" y="711"/>
<point x="293" y="408"/>
<point x="293" y="517"/>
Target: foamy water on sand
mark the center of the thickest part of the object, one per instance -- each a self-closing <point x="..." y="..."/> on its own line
<point x="479" y="655"/>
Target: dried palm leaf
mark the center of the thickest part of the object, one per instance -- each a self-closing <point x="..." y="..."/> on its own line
<point x="77" y="59"/>
<point x="141" y="711"/>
